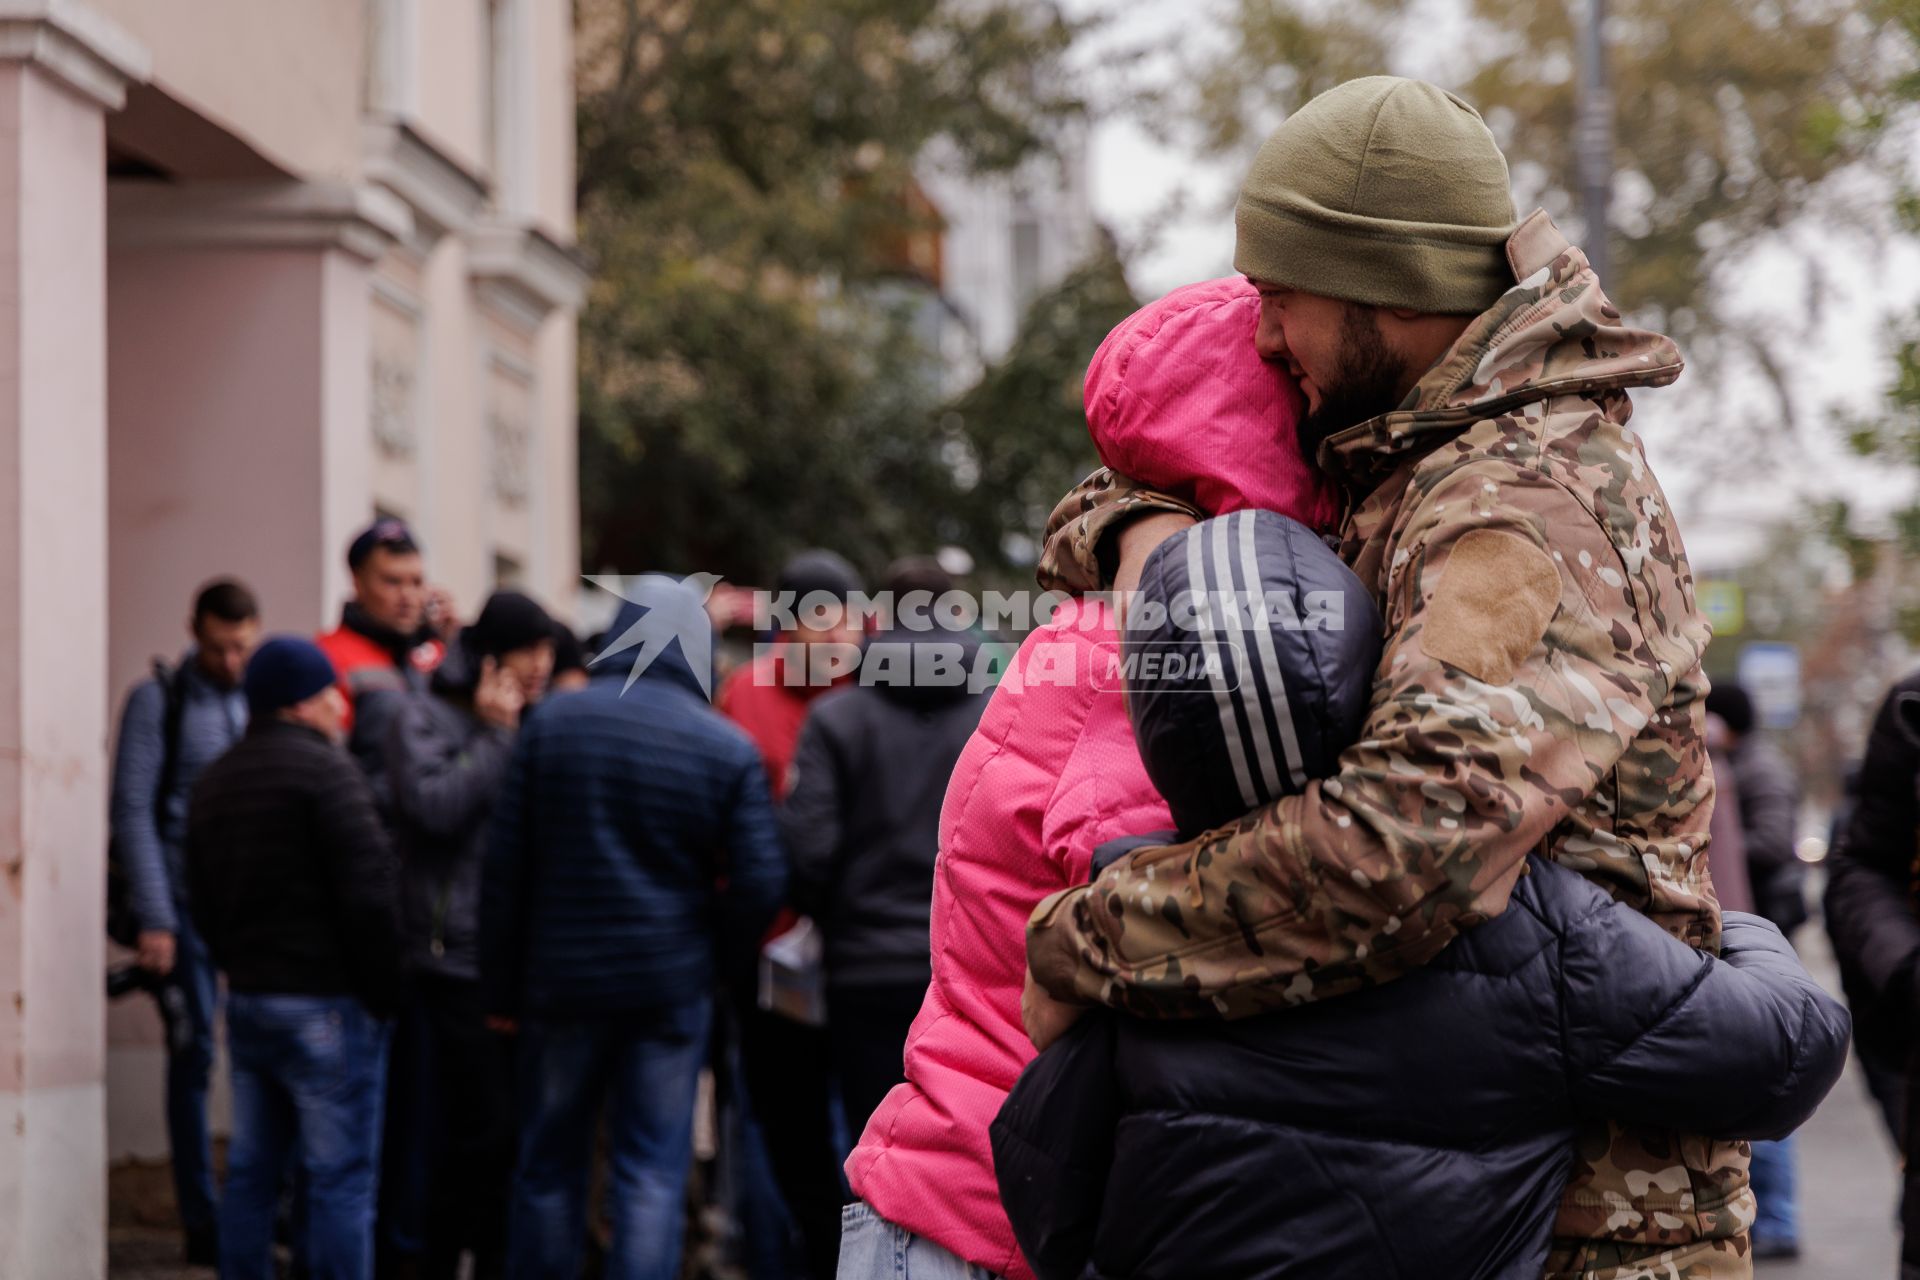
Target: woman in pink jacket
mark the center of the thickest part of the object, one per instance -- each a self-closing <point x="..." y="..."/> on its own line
<point x="1176" y="398"/>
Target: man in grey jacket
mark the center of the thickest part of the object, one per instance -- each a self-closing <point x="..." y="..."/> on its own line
<point x="175" y="723"/>
<point x="450" y="1105"/>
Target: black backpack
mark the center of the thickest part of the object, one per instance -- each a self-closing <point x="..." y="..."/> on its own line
<point x="123" y="925"/>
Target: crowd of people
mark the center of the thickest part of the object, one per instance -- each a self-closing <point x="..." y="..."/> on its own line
<point x="452" y="932"/>
<point x="1437" y="929"/>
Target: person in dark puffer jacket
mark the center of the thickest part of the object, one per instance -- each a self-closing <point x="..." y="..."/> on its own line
<point x="1871" y="916"/>
<point x="602" y="932"/>
<point x="1423" y="1128"/>
<point x="449" y="1146"/>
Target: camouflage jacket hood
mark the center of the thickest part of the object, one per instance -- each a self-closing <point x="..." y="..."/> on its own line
<point x="1554" y="333"/>
<point x="1540" y="691"/>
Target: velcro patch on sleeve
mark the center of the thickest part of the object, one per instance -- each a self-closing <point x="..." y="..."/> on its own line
<point x="1497" y="593"/>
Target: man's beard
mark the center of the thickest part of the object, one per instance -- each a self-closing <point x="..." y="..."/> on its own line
<point x="1369" y="380"/>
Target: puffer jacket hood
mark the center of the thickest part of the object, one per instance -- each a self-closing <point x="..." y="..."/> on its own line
<point x="1248" y="658"/>
<point x="1178" y="400"/>
<point x="1554" y="333"/>
<point x="661" y="632"/>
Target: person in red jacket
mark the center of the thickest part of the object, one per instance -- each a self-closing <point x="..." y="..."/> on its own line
<point x="392" y="634"/>
<point x="786" y="1065"/>
<point x="769" y="696"/>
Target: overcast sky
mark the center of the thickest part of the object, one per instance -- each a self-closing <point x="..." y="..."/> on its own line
<point x="1174" y="212"/>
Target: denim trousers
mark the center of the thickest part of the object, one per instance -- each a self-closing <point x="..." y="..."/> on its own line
<point x="309" y="1074"/>
<point x="871" y="1248"/>
<point x="1778" y="1216"/>
<point x="645" y="1066"/>
<point x="189" y="1068"/>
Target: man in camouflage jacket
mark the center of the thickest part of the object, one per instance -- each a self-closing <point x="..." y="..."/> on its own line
<point x="1540" y="687"/>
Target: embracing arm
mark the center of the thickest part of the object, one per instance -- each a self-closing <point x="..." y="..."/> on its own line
<point x="1505" y="695"/>
<point x="1666" y="1037"/>
<point x="1081" y="550"/>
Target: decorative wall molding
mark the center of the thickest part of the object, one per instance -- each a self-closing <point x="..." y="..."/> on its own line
<point x="362" y="221"/>
<point x="443" y="194"/>
<point x="80" y="47"/>
<point x="526" y="271"/>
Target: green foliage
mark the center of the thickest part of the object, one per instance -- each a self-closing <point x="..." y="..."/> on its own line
<point x="750" y="379"/>
<point x="1728" y="113"/>
<point x="1894" y="436"/>
<point x="1023" y="428"/>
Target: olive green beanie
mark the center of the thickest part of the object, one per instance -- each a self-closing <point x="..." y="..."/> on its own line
<point x="1384" y="191"/>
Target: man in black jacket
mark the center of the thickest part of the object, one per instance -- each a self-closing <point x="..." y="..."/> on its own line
<point x="1870" y="915"/>
<point x="449" y="1152"/>
<point x="293" y="887"/>
<point x="862" y="825"/>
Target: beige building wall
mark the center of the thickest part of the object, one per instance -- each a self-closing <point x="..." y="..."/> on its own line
<point x="284" y="76"/>
<point x="341" y="282"/>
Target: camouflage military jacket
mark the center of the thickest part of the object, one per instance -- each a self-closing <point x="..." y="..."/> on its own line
<point x="1540" y="689"/>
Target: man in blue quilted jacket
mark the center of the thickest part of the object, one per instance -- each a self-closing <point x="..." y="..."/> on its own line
<point x="626" y="806"/>
<point x="1422" y="1127"/>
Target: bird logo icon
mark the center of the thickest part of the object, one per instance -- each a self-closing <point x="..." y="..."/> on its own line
<point x="670" y="615"/>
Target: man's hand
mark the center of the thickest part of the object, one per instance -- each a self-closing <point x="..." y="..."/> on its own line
<point x="498" y="698"/>
<point x="1045" y="1018"/>
<point x="154" y="951"/>
<point x="1138" y="538"/>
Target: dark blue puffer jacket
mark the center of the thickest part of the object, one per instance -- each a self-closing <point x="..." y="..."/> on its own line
<point x="1421" y="1128"/>
<point x="623" y="810"/>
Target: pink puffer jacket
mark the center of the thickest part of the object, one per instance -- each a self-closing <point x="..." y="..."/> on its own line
<point x="1176" y="398"/>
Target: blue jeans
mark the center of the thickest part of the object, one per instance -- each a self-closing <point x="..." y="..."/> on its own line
<point x="649" y="1063"/>
<point x="189" y="1067"/>
<point x="871" y="1248"/>
<point x="1773" y="1189"/>
<point x="308" y="1081"/>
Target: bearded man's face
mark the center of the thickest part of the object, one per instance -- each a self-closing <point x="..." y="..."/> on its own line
<point x="1334" y="349"/>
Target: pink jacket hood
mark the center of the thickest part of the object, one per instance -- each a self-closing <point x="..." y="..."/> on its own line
<point x="1178" y="399"/>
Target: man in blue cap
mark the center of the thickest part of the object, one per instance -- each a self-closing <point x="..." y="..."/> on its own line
<point x="294" y="888"/>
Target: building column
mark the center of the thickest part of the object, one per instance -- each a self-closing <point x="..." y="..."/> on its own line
<point x="62" y="68"/>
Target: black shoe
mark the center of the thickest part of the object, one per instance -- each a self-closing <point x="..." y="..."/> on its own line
<point x="1774" y="1249"/>
<point x="203" y="1248"/>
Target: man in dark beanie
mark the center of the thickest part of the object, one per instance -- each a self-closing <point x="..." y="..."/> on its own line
<point x="1466" y="383"/>
<point x="449" y="1149"/>
<point x="293" y="886"/>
